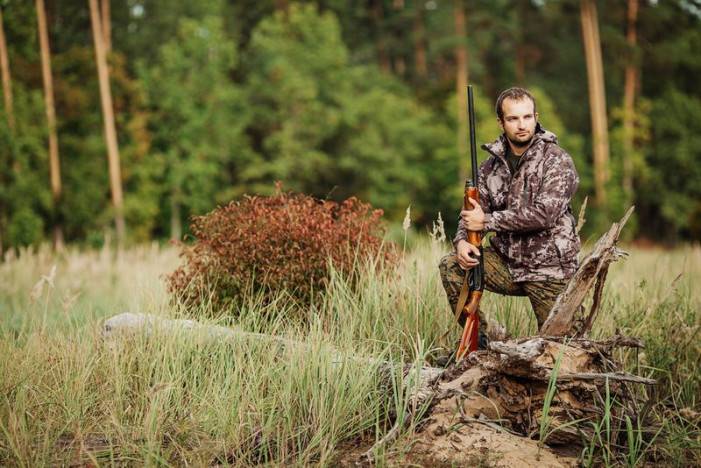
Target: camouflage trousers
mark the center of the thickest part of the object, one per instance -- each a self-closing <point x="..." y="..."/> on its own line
<point x="498" y="279"/>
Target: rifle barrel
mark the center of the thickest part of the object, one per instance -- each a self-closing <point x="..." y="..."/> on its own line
<point x="473" y="144"/>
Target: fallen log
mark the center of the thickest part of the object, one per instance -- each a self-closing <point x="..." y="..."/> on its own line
<point x="127" y="324"/>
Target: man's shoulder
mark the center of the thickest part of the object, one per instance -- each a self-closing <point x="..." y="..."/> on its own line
<point x="553" y="151"/>
<point x="487" y="166"/>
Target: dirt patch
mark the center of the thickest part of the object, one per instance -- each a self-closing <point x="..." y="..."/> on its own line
<point x="473" y="444"/>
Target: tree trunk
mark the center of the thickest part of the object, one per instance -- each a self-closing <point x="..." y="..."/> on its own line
<point x="176" y="224"/>
<point x="629" y="101"/>
<point x="7" y="95"/>
<point x="420" y="43"/>
<point x="54" y="162"/>
<point x="108" y="114"/>
<point x="399" y="37"/>
<point x="282" y="5"/>
<point x="106" y="25"/>
<point x="461" y="82"/>
<point x="378" y="16"/>
<point x="597" y="97"/>
<point x="6" y="78"/>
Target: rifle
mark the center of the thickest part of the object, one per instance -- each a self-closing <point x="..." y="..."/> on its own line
<point x="473" y="284"/>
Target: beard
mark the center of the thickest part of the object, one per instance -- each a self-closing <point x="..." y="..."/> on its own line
<point x="520" y="143"/>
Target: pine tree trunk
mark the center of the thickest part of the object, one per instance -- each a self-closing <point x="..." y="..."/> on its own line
<point x="461" y="82"/>
<point x="399" y="37"/>
<point x="420" y="43"/>
<point x="6" y="77"/>
<point x="106" y="25"/>
<point x="54" y="161"/>
<point x="377" y="15"/>
<point x="631" y="77"/>
<point x="7" y="95"/>
<point x="597" y="97"/>
<point x="108" y="114"/>
<point x="282" y="5"/>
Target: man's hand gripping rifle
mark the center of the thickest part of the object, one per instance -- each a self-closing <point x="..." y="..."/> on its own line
<point x="473" y="285"/>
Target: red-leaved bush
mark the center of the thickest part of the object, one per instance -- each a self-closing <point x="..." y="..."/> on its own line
<point x="268" y="244"/>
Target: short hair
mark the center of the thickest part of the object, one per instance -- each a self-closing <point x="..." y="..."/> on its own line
<point x="512" y="93"/>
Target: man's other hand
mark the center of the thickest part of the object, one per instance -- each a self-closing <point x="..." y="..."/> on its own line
<point x="474" y="218"/>
<point x="467" y="255"/>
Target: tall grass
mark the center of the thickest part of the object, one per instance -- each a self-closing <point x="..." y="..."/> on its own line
<point x="67" y="398"/>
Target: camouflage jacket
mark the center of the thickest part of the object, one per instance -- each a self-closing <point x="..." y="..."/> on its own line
<point x="535" y="231"/>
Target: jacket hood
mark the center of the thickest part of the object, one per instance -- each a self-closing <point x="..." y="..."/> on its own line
<point x="498" y="146"/>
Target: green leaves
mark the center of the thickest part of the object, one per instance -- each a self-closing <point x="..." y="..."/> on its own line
<point x="196" y="115"/>
<point x="327" y="126"/>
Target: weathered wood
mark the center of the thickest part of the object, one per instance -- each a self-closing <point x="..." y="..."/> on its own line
<point x="621" y="376"/>
<point x="598" y="291"/>
<point x="616" y="341"/>
<point x="527" y="350"/>
<point x="580" y="218"/>
<point x="129" y="324"/>
<point x="595" y="265"/>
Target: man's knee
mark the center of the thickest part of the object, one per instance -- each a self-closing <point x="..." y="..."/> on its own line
<point x="543" y="295"/>
<point x="447" y="263"/>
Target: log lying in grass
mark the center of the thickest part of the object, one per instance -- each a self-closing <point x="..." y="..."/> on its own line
<point x="129" y="324"/>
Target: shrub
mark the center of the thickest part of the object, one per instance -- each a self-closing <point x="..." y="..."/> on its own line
<point x="25" y="228"/>
<point x="286" y="241"/>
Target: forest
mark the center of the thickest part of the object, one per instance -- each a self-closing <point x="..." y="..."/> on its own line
<point x="121" y="119"/>
<point x="226" y="225"/>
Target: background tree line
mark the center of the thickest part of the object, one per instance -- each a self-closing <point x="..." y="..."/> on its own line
<point x="136" y="114"/>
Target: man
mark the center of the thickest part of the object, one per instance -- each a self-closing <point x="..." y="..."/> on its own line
<point x="525" y="190"/>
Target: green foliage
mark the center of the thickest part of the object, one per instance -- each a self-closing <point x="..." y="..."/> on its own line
<point x="674" y="156"/>
<point x="217" y="99"/>
<point x="328" y="127"/>
<point x="297" y="80"/>
<point x="196" y="119"/>
<point x="25" y="228"/>
<point x="25" y="199"/>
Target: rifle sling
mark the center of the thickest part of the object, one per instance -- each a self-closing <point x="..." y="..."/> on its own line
<point x="464" y="293"/>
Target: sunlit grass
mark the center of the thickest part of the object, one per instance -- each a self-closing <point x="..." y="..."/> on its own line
<point x="68" y="398"/>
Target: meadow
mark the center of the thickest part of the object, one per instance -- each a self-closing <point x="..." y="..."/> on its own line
<point x="68" y="399"/>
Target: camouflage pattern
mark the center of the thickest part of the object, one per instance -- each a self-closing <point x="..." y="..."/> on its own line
<point x="498" y="279"/>
<point x="529" y="211"/>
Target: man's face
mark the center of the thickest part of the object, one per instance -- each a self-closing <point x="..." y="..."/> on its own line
<point x="519" y="121"/>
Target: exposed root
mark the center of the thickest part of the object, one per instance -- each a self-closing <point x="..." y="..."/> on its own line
<point x="504" y="389"/>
